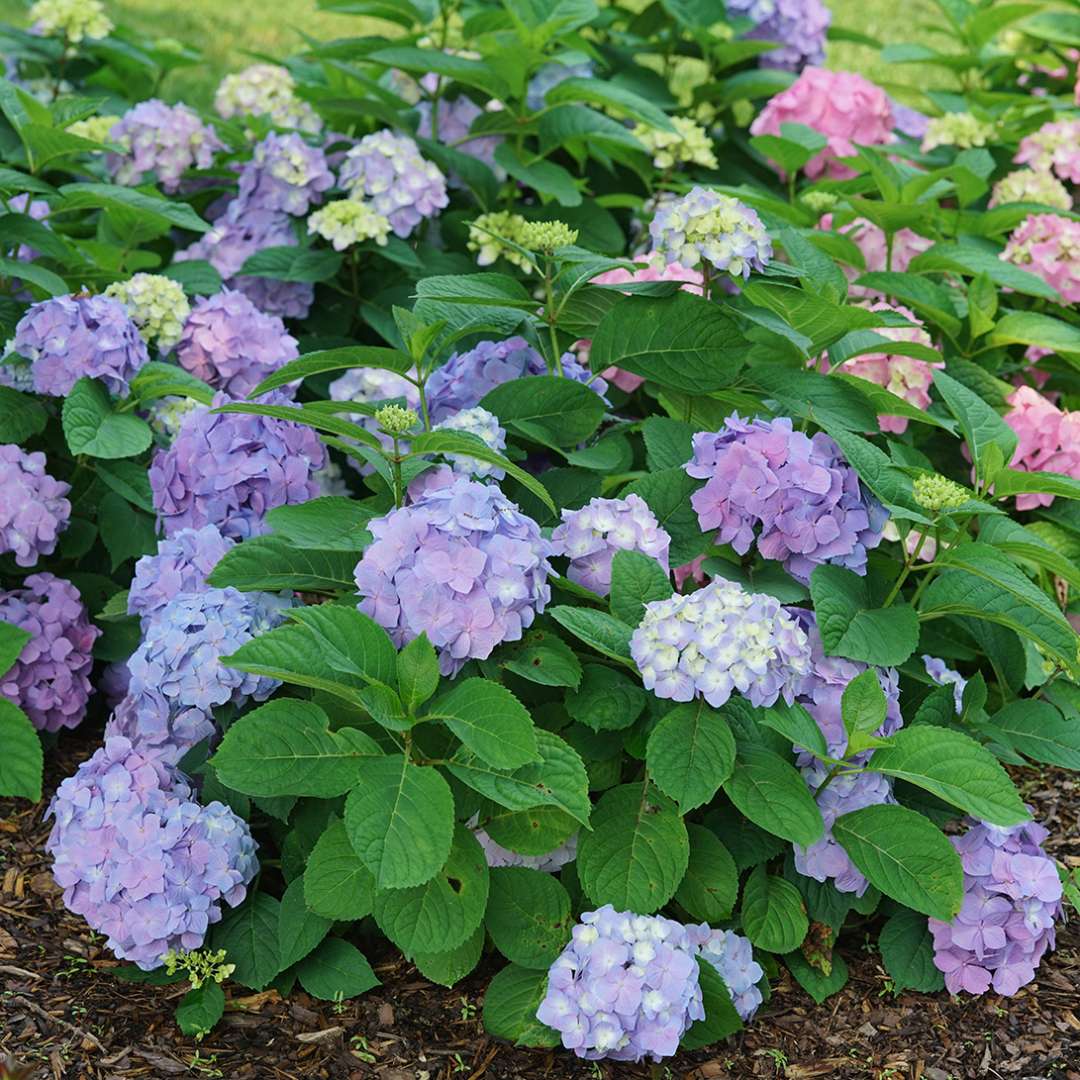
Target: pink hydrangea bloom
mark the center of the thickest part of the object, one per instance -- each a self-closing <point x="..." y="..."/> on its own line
<point x="1049" y="440"/>
<point x="905" y="376"/>
<point x="1055" y="146"/>
<point x="871" y="241"/>
<point x="844" y="107"/>
<point x="1049" y="246"/>
<point x="692" y="283"/>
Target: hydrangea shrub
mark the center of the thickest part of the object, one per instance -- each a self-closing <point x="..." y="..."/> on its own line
<point x="707" y="546"/>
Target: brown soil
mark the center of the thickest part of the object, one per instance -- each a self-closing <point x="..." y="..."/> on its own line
<point x="63" y="1016"/>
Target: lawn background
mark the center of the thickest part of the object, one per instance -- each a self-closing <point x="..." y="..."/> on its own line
<point x="227" y="31"/>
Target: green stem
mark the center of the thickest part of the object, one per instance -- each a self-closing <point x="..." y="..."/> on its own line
<point x="909" y="562"/>
<point x="395" y="468"/>
<point x="549" y="315"/>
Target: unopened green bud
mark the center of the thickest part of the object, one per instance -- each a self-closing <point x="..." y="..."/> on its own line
<point x="935" y="493"/>
<point x="547" y="235"/>
<point x="821" y="202"/>
<point x="395" y="420"/>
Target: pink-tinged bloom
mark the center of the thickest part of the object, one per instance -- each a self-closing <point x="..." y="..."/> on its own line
<point x="1054" y="147"/>
<point x="50" y="679"/>
<point x="846" y="108"/>
<point x="1049" y="246"/>
<point x="872" y="242"/>
<point x="1048" y="440"/>
<point x="908" y="377"/>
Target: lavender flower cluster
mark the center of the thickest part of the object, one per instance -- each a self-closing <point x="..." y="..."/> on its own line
<point x="590" y="536"/>
<point x="229" y="469"/>
<point x="50" y="679"/>
<point x="165" y="140"/>
<point x="33" y="509"/>
<point x="461" y="564"/>
<point x="151" y="722"/>
<point x="230" y="344"/>
<point x="798" y="27"/>
<point x="466" y="377"/>
<point x="799" y="489"/>
<point x="387" y="170"/>
<point x="285" y="174"/>
<point x="486" y="427"/>
<point x="733" y="957"/>
<point x="139" y="859"/>
<point x="265" y="90"/>
<point x="69" y="337"/>
<point x="1012" y="897"/>
<point x="718" y="640"/>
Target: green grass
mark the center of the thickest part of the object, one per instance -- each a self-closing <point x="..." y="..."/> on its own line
<point x="230" y="31"/>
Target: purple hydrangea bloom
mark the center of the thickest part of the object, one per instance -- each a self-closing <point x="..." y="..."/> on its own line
<point x="549" y="863"/>
<point x="733" y="957"/>
<point x="462" y="564"/>
<point x="166" y="140"/>
<point x="549" y="76"/>
<point x="944" y="675"/>
<point x="589" y="538"/>
<point x="139" y="859"/>
<point x="825" y="859"/>
<point x="50" y="679"/>
<point x="708" y="226"/>
<point x="237" y="234"/>
<point x="229" y="469"/>
<point x="626" y="987"/>
<point x="822" y="689"/>
<point x="1012" y="897"/>
<point x="182" y="564"/>
<point x="33" y="510"/>
<point x="909" y="121"/>
<point x="387" y="171"/>
<point x="718" y="640"/>
<point x="455" y="120"/>
<point x="68" y="337"/>
<point x="152" y="723"/>
<point x="486" y="427"/>
<point x="466" y="377"/>
<point x="284" y="174"/>
<point x="799" y="489"/>
<point x="797" y="26"/>
<point x="180" y="654"/>
<point x="230" y="344"/>
<point x="368" y="386"/>
<point x="38" y="209"/>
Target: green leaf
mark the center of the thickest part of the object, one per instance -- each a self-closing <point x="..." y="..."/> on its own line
<point x="558" y="779"/>
<point x="972" y="259"/>
<point x="285" y="747"/>
<point x="954" y="767"/>
<point x="636" y="580"/>
<point x="199" y="1010"/>
<point x="332" y="523"/>
<point x="249" y="936"/>
<point x="447" y="968"/>
<point x="542" y="176"/>
<point x="272" y="563"/>
<point x="773" y="914"/>
<point x="337" y="885"/>
<point x="153" y="208"/>
<point x="22" y="762"/>
<point x="850" y="627"/>
<point x="907" y="951"/>
<point x="863" y="705"/>
<point x="818" y="985"/>
<point x="400" y="821"/>
<point x="292" y="263"/>
<point x="668" y="443"/>
<point x="424" y="61"/>
<point x="611" y="96"/>
<point x="44" y="279"/>
<point x="299" y="929"/>
<point x="555" y="410"/>
<point x="20" y="416"/>
<point x="772" y="794"/>
<point x="490" y="721"/>
<point x="681" y="341"/>
<point x="1017" y="482"/>
<point x="1031" y="328"/>
<point x="417" y="672"/>
<point x="92" y="428"/>
<point x="721" y="1019"/>
<point x="510" y="1005"/>
<point x="607" y="700"/>
<point x="605" y="634"/>
<point x="690" y="753"/>
<point x="668" y="493"/>
<point x="796" y="724"/>
<point x="129" y="479"/>
<point x="157" y="380"/>
<point x="904" y="855"/>
<point x="528" y="916"/>
<point x="335" y="971"/>
<point x="443" y="912"/>
<point x="352" y="643"/>
<point x="542" y="658"/>
<point x="12" y="640"/>
<point x="343" y="359"/>
<point x="1039" y="732"/>
<point x="197" y="277"/>
<point x="637" y="852"/>
<point x="982" y="427"/>
<point x="710" y="887"/>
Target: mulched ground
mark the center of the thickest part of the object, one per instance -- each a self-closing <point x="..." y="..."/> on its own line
<point x="63" y="1016"/>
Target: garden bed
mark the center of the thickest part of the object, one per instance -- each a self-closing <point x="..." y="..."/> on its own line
<point x="74" y="1019"/>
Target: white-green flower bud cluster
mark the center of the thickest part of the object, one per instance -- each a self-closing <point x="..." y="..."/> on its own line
<point x="488" y="233"/>
<point x="157" y="306"/>
<point x="688" y="144"/>
<point x="74" y="20"/>
<point x="200" y="965"/>
<point x="1031" y="185"/>
<point x="95" y="128"/>
<point x="395" y="420"/>
<point x="960" y="129"/>
<point x="546" y="236"/>
<point x="345" y="222"/>
<point x="935" y="493"/>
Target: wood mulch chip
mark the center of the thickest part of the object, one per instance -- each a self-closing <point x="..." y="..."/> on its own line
<point x="64" y="1018"/>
